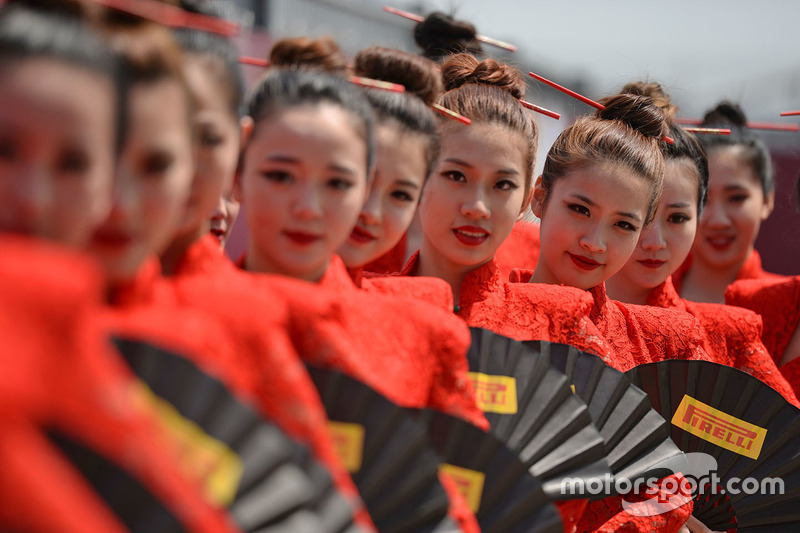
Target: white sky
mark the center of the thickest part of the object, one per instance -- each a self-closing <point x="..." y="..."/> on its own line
<point x="702" y="50"/>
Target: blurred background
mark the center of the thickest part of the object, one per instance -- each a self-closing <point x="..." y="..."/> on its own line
<point x="702" y="51"/>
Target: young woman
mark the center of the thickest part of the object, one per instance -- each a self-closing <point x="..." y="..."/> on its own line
<point x="741" y="194"/>
<point x="731" y="336"/>
<point x="406" y="145"/>
<point x="776" y="300"/>
<point x="478" y="188"/>
<point x="58" y="122"/>
<point x="598" y="190"/>
<point x="215" y="82"/>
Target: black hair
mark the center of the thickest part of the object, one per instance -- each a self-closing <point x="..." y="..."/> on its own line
<point x="284" y="88"/>
<point x="440" y="35"/>
<point x="729" y="115"/>
<point x="409" y="110"/>
<point x="58" y="31"/>
<point x="217" y="48"/>
<point x="685" y="145"/>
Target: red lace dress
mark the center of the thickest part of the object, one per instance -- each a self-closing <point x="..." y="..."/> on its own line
<point x="731" y="336"/>
<point x="751" y="269"/>
<point x="520" y="249"/>
<point x="372" y="336"/>
<point x="637" y="335"/>
<point x="207" y="311"/>
<point x="527" y="312"/>
<point x="59" y="374"/>
<point x="778" y="303"/>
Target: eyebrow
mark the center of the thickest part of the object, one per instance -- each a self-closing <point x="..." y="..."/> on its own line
<point x="593" y="204"/>
<point x="407" y="183"/>
<point x="280" y="158"/>
<point x="680" y="205"/>
<point x="461" y="162"/>
<point x="735" y="187"/>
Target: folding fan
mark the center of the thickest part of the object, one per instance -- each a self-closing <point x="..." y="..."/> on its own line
<point x="638" y="445"/>
<point x="268" y="481"/>
<point x="387" y="452"/>
<point x="751" y="431"/>
<point x="532" y="410"/>
<point x="133" y="504"/>
<point x="498" y="487"/>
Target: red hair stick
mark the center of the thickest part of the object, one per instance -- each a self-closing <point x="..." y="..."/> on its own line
<point x="172" y="16"/>
<point x="790" y="113"/>
<point x="543" y="111"/>
<point x="709" y="131"/>
<point x="449" y="113"/>
<point x="580" y="97"/>
<point x="420" y="18"/>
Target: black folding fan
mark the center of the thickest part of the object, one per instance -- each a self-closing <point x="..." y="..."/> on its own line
<point x="533" y="411"/>
<point x="751" y="431"/>
<point x="638" y="445"/>
<point x="388" y="454"/>
<point x="281" y="487"/>
<point x="505" y="497"/>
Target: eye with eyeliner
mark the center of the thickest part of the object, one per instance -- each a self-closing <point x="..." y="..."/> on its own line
<point x="340" y="184"/>
<point x="579" y="209"/>
<point x="277" y="176"/>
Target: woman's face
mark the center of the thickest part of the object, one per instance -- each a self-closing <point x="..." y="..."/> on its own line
<point x="223" y="218"/>
<point x="302" y="187"/>
<point x="56" y="150"/>
<point x="590" y="224"/>
<point x="664" y="244"/>
<point x="734" y="212"/>
<point x="474" y="195"/>
<point x="217" y="141"/>
<point x="393" y="196"/>
<point x="152" y="183"/>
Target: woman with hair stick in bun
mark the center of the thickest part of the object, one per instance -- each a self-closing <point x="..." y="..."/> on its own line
<point x="730" y="335"/>
<point x="65" y="379"/>
<point x="479" y="187"/>
<point x="741" y="195"/>
<point x="599" y="189"/>
<point x="776" y="301"/>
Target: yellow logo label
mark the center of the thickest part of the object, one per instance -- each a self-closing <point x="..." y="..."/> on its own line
<point x="201" y="456"/>
<point x="469" y="483"/>
<point x="349" y="442"/>
<point x="495" y="394"/>
<point x="720" y="428"/>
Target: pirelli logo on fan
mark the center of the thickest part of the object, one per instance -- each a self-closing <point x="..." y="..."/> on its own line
<point x="349" y="442"/>
<point x="720" y="428"/>
<point x="201" y="456"/>
<point x="496" y="394"/>
<point x="469" y="483"/>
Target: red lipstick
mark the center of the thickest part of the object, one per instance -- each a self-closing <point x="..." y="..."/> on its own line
<point x="583" y="262"/>
<point x="651" y="263"/>
<point x="362" y="236"/>
<point x="301" y="238"/>
<point x="471" y="235"/>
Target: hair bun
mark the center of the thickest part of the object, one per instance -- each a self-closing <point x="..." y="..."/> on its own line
<point x="463" y="69"/>
<point x="657" y="93"/>
<point x="417" y="74"/>
<point x="440" y="35"/>
<point x="301" y="52"/>
<point x="637" y="111"/>
<point x="726" y="113"/>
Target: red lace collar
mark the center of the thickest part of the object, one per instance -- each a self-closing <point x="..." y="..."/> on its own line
<point x="666" y="296"/>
